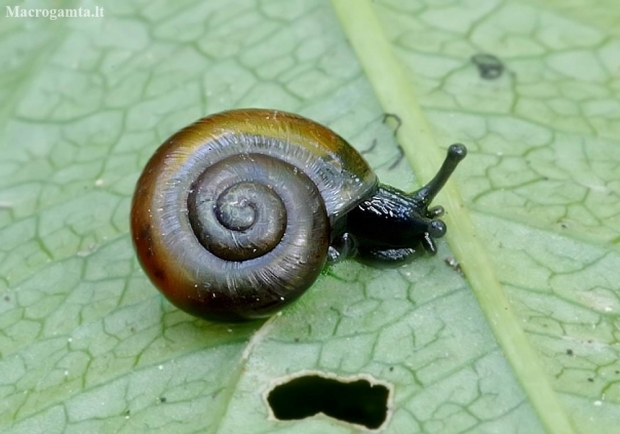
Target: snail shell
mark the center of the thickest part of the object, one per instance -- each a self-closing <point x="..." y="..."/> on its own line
<point x="232" y="216"/>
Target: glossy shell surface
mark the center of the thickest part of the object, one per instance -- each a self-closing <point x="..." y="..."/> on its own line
<point x="161" y="228"/>
<point x="340" y="173"/>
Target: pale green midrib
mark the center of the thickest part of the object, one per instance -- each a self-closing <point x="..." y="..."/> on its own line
<point x="392" y="88"/>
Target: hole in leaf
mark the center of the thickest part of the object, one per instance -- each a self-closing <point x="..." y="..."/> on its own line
<point x="356" y="401"/>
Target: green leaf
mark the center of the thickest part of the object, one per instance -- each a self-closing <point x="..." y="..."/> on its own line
<point x="527" y="342"/>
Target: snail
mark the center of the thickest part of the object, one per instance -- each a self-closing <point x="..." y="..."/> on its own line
<point x="235" y="216"/>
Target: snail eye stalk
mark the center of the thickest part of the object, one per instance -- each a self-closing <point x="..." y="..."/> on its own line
<point x="426" y="194"/>
<point x="266" y="209"/>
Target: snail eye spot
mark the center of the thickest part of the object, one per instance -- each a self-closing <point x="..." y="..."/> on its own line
<point x="358" y="402"/>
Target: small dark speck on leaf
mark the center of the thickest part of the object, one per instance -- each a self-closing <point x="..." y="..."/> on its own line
<point x="296" y="339"/>
<point x="399" y="158"/>
<point x="489" y="66"/>
<point x="617" y="372"/>
<point x="453" y="263"/>
<point x="7" y="298"/>
<point x="162" y="399"/>
<point x="397" y="120"/>
<point x="391" y="368"/>
<point x="127" y="412"/>
<point x="370" y="148"/>
<point x="591" y="380"/>
<point x="564" y="225"/>
<point x="569" y="352"/>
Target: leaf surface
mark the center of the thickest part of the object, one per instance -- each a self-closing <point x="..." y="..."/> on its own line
<point x="88" y="345"/>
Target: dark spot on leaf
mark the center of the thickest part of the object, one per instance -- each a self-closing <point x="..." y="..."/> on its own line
<point x="370" y="148"/>
<point x="391" y="368"/>
<point x="358" y="402"/>
<point x="162" y="399"/>
<point x="296" y="339"/>
<point x="399" y="158"/>
<point x="127" y="412"/>
<point x="7" y="298"/>
<point x="397" y="120"/>
<point x="591" y="380"/>
<point x="569" y="352"/>
<point x="454" y="264"/>
<point x="489" y="66"/>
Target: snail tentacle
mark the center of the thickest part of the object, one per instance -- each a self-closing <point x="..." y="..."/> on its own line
<point x="235" y="216"/>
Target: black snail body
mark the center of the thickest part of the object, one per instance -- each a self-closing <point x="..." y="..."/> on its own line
<point x="235" y="216"/>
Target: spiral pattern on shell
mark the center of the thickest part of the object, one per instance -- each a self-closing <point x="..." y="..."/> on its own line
<point x="252" y="238"/>
<point x="265" y="225"/>
<point x="231" y="216"/>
